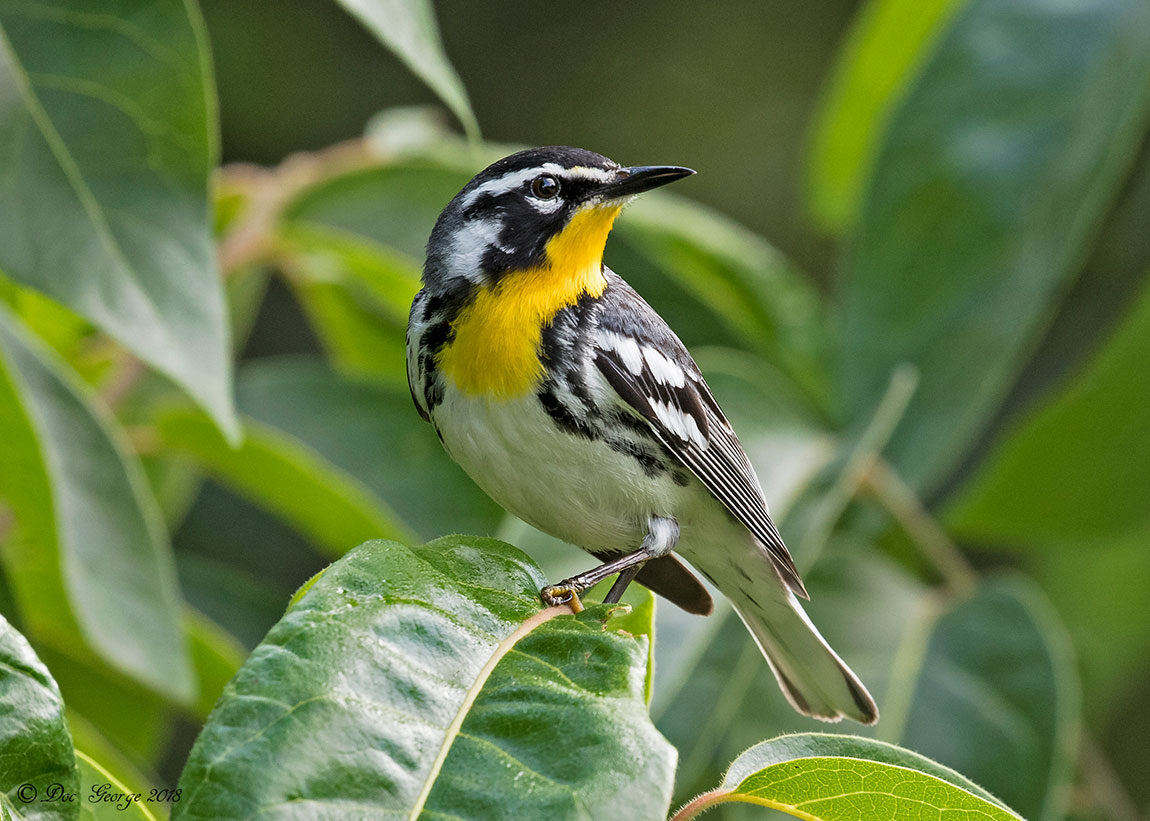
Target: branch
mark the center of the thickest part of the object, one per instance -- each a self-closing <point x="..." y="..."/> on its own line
<point x="900" y="500"/>
<point x="887" y="415"/>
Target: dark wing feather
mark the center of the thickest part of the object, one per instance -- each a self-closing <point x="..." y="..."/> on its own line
<point x="684" y="415"/>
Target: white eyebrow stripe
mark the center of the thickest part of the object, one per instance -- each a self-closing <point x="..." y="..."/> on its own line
<point x="510" y="181"/>
<point x="588" y="172"/>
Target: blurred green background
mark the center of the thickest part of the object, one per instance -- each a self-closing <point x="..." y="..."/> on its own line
<point x="913" y="266"/>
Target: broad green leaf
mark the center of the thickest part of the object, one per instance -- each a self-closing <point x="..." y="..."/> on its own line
<point x="92" y="743"/>
<point x="217" y="655"/>
<point x="947" y="676"/>
<point x="372" y="433"/>
<point x="35" y="746"/>
<point x="89" y="556"/>
<point x="1077" y="470"/>
<point x="884" y="53"/>
<point x="994" y="694"/>
<point x="357" y="296"/>
<point x="395" y="206"/>
<point x="107" y="137"/>
<point x="134" y="720"/>
<point x="103" y="797"/>
<point x="1099" y="592"/>
<point x="970" y="233"/>
<point x="282" y="474"/>
<point x="1102" y="298"/>
<point x="822" y="777"/>
<point x="427" y="679"/>
<point x="408" y="28"/>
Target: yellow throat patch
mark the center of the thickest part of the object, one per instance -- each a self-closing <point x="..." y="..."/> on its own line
<point x="495" y="352"/>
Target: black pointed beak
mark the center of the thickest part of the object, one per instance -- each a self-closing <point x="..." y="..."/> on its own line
<point x="640" y="178"/>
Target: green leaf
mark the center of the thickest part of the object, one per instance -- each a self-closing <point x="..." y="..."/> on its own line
<point x="89" y="556"/>
<point x="217" y="655"/>
<point x="357" y="295"/>
<point x="35" y="745"/>
<point x="373" y="433"/>
<point x="883" y="55"/>
<point x="1075" y="471"/>
<point x="822" y="777"/>
<point x="115" y="799"/>
<point x="132" y="719"/>
<point x="282" y="474"/>
<point x="994" y="694"/>
<point x="395" y="206"/>
<point x="107" y="137"/>
<point x="408" y="28"/>
<point x="971" y="232"/>
<point x="1100" y="593"/>
<point x="428" y="679"/>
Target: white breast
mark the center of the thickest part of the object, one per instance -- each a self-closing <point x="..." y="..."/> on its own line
<point x="576" y="489"/>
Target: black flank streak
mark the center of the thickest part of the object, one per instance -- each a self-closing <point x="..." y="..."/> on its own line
<point x="652" y="465"/>
<point x="562" y="415"/>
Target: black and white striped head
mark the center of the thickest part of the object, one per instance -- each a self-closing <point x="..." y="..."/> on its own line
<point x="504" y="218"/>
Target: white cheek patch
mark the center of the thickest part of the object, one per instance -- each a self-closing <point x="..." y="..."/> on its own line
<point x="626" y="347"/>
<point x="663" y="369"/>
<point x="470" y="243"/>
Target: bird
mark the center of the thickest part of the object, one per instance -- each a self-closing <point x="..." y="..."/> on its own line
<point x="571" y="403"/>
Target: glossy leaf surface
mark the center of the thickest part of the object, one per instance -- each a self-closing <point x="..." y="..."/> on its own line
<point x="108" y="132"/>
<point x="822" y="777"/>
<point x="945" y="272"/>
<point x="90" y="557"/>
<point x="428" y="679"/>
<point x="35" y="745"/>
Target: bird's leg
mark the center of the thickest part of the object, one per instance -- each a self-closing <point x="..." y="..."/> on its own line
<point x="620" y="586"/>
<point x="662" y="536"/>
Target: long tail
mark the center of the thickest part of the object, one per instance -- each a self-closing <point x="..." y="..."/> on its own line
<point x="815" y="680"/>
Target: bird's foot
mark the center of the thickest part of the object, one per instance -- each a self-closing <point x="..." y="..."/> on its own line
<point x="565" y="593"/>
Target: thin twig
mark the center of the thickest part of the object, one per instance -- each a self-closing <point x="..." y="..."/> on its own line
<point x="900" y="500"/>
<point x="1103" y="783"/>
<point x="269" y="190"/>
<point x="834" y="503"/>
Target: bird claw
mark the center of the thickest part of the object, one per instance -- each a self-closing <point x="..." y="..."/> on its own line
<point x="564" y="593"/>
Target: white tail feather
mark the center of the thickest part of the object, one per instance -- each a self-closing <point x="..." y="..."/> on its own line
<point x="815" y="680"/>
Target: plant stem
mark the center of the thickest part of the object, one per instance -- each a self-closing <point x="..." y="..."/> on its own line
<point x="700" y="804"/>
<point x="900" y="500"/>
<point x="874" y="438"/>
<point x="1102" y="782"/>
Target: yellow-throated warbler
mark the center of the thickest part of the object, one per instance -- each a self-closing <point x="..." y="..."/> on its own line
<point x="573" y="405"/>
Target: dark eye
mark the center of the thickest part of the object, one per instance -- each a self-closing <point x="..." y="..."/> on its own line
<point x="545" y="188"/>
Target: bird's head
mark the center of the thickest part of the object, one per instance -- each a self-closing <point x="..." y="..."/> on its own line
<point x="535" y="209"/>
